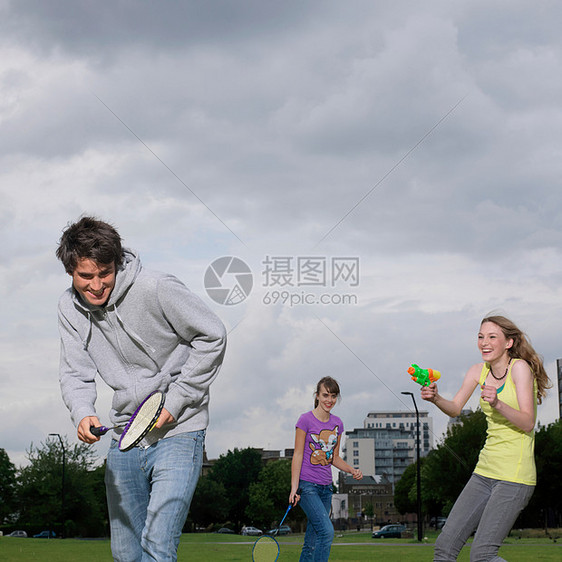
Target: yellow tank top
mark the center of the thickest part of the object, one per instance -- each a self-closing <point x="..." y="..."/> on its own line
<point x="508" y="453"/>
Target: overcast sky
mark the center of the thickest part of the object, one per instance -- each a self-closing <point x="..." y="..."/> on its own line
<point x="419" y="141"/>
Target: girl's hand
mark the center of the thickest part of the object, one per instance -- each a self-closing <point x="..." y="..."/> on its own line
<point x="490" y="395"/>
<point x="356" y="473"/>
<point x="429" y="393"/>
<point x="294" y="497"/>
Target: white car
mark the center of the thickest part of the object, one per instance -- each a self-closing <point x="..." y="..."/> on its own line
<point x="21" y="534"/>
<point x="251" y="532"/>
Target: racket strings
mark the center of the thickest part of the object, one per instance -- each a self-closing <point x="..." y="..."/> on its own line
<point x="265" y="549"/>
<point x="142" y="421"/>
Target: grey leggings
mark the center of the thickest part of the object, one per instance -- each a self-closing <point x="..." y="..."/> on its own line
<point x="489" y="506"/>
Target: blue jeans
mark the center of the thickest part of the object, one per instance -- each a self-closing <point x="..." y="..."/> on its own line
<point x="148" y="494"/>
<point x="489" y="506"/>
<point x="316" y="501"/>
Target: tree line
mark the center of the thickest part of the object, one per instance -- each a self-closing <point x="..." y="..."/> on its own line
<point x="32" y="499"/>
<point x="238" y="489"/>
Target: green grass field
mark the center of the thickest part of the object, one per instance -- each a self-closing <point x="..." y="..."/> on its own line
<point x="351" y="547"/>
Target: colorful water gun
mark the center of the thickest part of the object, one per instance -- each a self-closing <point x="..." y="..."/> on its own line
<point x="423" y="376"/>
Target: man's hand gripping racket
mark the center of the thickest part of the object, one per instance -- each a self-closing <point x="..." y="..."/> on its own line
<point x="140" y="423"/>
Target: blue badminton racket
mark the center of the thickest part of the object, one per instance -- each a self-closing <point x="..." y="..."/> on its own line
<point x="266" y="548"/>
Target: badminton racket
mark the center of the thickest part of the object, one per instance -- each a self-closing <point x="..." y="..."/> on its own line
<point x="266" y="548"/>
<point x="140" y="423"/>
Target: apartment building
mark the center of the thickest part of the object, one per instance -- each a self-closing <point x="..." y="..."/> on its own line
<point x="386" y="444"/>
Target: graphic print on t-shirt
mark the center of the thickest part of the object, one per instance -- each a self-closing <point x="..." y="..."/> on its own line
<point x="325" y="441"/>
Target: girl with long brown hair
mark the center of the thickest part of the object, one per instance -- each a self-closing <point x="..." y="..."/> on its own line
<point x="512" y="381"/>
<point x="317" y="445"/>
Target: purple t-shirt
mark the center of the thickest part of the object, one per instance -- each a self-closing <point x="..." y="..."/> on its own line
<point x="320" y="442"/>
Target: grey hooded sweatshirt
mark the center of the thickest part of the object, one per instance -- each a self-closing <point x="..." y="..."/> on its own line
<point x="152" y="334"/>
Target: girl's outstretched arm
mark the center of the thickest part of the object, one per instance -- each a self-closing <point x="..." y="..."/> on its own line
<point x="340" y="464"/>
<point x="453" y="407"/>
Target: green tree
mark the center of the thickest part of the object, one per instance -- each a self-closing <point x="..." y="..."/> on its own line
<point x="7" y="487"/>
<point x="545" y="507"/>
<point x="40" y="489"/>
<point x="209" y="504"/>
<point x="402" y="491"/>
<point x="236" y="470"/>
<point x="92" y="483"/>
<point x="446" y="469"/>
<point x="269" y="496"/>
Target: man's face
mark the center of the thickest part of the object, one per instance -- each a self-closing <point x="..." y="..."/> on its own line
<point x="94" y="281"/>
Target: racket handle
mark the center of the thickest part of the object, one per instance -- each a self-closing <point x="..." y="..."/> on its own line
<point x="99" y="431"/>
<point x="284" y="517"/>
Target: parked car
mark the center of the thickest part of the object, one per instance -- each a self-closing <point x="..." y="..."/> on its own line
<point x="438" y="522"/>
<point x="20" y="534"/>
<point x="225" y="530"/>
<point x="283" y="530"/>
<point x="389" y="532"/>
<point x="251" y="532"/>
<point x="45" y="535"/>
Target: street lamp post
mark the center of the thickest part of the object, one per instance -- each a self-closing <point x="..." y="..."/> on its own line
<point x="62" y="482"/>
<point x="418" y="468"/>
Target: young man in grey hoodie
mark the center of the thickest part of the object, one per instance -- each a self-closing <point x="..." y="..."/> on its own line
<point x="140" y="331"/>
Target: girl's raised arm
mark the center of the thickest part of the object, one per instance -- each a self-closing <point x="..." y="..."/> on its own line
<point x="454" y="407"/>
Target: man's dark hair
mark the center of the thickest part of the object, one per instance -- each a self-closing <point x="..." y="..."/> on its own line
<point x="90" y="238"/>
